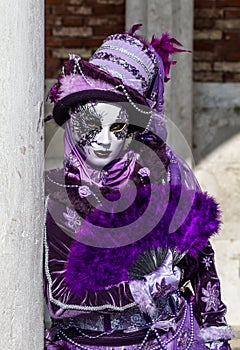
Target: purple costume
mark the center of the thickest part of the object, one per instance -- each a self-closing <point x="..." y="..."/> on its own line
<point x="122" y="243"/>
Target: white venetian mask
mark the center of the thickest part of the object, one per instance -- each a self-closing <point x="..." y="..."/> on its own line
<point x="101" y="129"/>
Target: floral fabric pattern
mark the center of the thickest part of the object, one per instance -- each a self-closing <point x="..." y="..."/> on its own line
<point x="211" y="297"/>
<point x="72" y="219"/>
<point x="207" y="262"/>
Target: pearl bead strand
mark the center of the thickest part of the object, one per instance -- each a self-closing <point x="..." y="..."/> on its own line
<point x="120" y="86"/>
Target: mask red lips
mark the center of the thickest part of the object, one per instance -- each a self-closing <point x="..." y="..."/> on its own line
<point x="102" y="154"/>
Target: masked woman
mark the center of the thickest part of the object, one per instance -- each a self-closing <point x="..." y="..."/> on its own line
<point x="127" y="226"/>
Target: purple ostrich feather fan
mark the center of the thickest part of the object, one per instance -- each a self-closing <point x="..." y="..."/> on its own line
<point x="93" y="268"/>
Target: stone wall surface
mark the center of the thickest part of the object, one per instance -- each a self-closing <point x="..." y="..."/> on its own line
<point x="216" y="136"/>
<point x="175" y="17"/>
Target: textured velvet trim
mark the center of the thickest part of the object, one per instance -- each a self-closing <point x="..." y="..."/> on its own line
<point x="92" y="268"/>
<point x="214" y="333"/>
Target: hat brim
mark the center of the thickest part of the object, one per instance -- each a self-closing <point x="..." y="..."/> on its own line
<point x="61" y="109"/>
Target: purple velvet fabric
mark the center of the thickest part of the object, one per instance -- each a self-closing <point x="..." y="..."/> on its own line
<point x="59" y="244"/>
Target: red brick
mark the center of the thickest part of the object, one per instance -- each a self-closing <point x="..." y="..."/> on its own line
<point x="114" y="2"/>
<point x="48" y="32"/>
<point x="52" y="67"/>
<point x="233" y="56"/>
<point x="204" y="3"/>
<point x="69" y="42"/>
<point x="104" y="21"/>
<point x="54" y="2"/>
<point x="202" y="66"/>
<point x="227" y="24"/>
<point x="232" y="67"/>
<point x="72" y="31"/>
<point x="74" y="2"/>
<point x="82" y="42"/>
<point x="203" y="56"/>
<point x="72" y="21"/>
<point x="203" y="45"/>
<point x="53" y="42"/>
<point x="105" y="2"/>
<point x="64" y="53"/>
<point x="208" y="76"/>
<point x="53" y="20"/>
<point x="73" y="10"/>
<point x="208" y="13"/>
<point x="220" y="51"/>
<point x="207" y="34"/>
<point x="105" y="31"/>
<point x="104" y="9"/>
<point x="90" y="2"/>
<point x="48" y="52"/>
<point x="231" y="77"/>
<point x="226" y="45"/>
<point x="227" y="3"/>
<point x="79" y="10"/>
<point x="200" y="23"/>
<point x="234" y="13"/>
<point x="59" y="10"/>
<point x="232" y="36"/>
<point x="52" y="63"/>
<point x="48" y="10"/>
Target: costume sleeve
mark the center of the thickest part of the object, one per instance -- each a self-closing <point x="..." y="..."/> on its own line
<point x="209" y="308"/>
<point x="62" y="302"/>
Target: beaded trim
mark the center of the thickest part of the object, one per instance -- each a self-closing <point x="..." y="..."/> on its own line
<point x="118" y="75"/>
<point x="161" y="344"/>
<point x="123" y="321"/>
<point x="50" y="283"/>
<point x="123" y="63"/>
<point x="133" y="41"/>
<point x="127" y="53"/>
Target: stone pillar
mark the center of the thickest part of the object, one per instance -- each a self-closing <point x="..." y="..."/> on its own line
<point x="175" y="17"/>
<point x="21" y="169"/>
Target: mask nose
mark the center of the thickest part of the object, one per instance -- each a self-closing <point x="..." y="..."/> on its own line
<point x="103" y="138"/>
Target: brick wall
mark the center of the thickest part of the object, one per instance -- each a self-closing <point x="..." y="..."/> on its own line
<point x="78" y="26"/>
<point x="217" y="40"/>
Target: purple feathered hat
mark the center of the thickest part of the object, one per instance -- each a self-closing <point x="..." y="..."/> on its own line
<point x="125" y="68"/>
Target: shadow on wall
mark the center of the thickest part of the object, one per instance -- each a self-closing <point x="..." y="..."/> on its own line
<point x="216" y="117"/>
